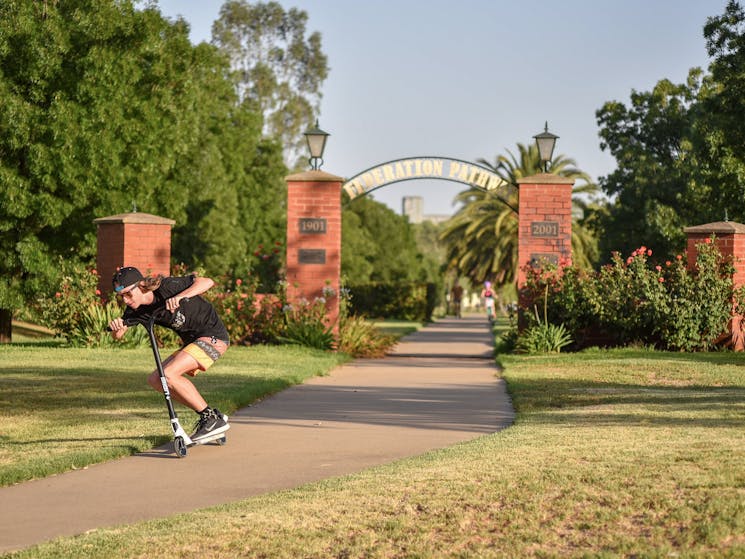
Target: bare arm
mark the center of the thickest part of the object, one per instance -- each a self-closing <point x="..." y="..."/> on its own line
<point x="199" y="286"/>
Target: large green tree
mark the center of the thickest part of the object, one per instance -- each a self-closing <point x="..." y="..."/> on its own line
<point x="380" y="245"/>
<point x="279" y="70"/>
<point x="104" y="106"/>
<point x="679" y="149"/>
<point x="481" y="237"/>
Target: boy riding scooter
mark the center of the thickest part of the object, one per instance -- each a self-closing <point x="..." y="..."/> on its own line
<point x="195" y="321"/>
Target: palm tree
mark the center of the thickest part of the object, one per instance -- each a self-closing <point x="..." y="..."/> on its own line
<point x="481" y="238"/>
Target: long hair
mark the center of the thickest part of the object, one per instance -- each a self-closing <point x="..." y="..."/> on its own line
<point x="151" y="283"/>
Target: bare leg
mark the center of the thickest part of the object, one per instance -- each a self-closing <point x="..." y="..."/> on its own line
<point x="182" y="390"/>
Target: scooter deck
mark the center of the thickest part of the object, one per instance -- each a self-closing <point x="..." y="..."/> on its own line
<point x="220" y="438"/>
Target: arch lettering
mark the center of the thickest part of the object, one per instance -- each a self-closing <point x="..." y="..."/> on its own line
<point x="413" y="168"/>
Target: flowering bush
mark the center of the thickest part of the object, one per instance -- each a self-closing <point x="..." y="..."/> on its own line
<point x="78" y="312"/>
<point x="250" y="318"/>
<point x="307" y="323"/>
<point x="635" y="300"/>
<point x="265" y="266"/>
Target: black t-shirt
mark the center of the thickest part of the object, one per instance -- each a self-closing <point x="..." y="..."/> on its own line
<point x="195" y="317"/>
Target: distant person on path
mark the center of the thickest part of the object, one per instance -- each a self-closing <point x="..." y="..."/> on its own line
<point x="487" y="294"/>
<point x="195" y="320"/>
<point x="456" y="297"/>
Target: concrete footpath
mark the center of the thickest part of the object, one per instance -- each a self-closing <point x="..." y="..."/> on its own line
<point x="438" y="387"/>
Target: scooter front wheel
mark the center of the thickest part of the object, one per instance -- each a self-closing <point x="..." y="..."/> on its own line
<point x="180" y="447"/>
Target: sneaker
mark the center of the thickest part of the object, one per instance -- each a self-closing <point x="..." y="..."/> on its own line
<point x="210" y="424"/>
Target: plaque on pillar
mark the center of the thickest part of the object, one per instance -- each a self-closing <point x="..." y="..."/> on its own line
<point x="312" y="225"/>
<point x="536" y="259"/>
<point x="311" y="256"/>
<point x="544" y="228"/>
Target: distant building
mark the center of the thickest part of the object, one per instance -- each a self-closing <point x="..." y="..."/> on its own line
<point x="413" y="208"/>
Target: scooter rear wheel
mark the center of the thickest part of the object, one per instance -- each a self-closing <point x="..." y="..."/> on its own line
<point x="180" y="447"/>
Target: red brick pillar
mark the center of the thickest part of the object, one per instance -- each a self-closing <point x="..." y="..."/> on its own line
<point x="133" y="239"/>
<point x="314" y="238"/>
<point x="729" y="237"/>
<point x="545" y="221"/>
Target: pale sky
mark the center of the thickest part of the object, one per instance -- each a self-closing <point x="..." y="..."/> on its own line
<point x="471" y="79"/>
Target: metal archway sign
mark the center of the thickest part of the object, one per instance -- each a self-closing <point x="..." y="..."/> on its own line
<point x="414" y="168"/>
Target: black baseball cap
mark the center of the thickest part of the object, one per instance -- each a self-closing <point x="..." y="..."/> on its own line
<point x="124" y="277"/>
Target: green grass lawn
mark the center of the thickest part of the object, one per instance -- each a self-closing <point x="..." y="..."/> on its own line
<point x="55" y="401"/>
<point x="613" y="454"/>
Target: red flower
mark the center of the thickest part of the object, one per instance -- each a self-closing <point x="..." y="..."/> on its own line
<point x="707" y="241"/>
<point x="668" y="263"/>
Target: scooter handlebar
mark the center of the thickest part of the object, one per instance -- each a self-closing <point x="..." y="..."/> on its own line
<point x="136" y="321"/>
<point x="127" y="322"/>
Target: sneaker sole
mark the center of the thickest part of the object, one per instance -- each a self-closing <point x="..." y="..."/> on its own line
<point x="212" y="433"/>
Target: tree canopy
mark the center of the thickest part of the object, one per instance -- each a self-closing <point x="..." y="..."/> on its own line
<point x="379" y="245"/>
<point x="279" y="70"/>
<point x="679" y="149"/>
<point x="104" y="107"/>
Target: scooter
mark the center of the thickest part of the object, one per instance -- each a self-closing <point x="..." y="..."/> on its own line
<point x="181" y="441"/>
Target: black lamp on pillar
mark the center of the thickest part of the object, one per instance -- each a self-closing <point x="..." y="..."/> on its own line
<point x="546" y="143"/>
<point x="316" y="139"/>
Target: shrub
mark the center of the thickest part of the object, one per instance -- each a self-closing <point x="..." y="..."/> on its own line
<point x="360" y="338"/>
<point x="250" y="318"/>
<point x="634" y="300"/>
<point x="543" y="337"/>
<point x="307" y="324"/>
<point x="403" y="300"/>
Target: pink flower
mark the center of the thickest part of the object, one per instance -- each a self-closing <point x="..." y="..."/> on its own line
<point x="98" y="292"/>
<point x="661" y="280"/>
<point x="239" y="281"/>
<point x="94" y="272"/>
<point x="58" y="295"/>
<point x="649" y="252"/>
<point x="658" y="268"/>
<point x="629" y="260"/>
<point x="707" y="241"/>
<point x="679" y="257"/>
<point x="668" y="263"/>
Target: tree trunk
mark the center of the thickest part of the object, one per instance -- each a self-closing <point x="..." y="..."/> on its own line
<point x="6" y="326"/>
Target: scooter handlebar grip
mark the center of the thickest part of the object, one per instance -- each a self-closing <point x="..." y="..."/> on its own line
<point x="127" y="322"/>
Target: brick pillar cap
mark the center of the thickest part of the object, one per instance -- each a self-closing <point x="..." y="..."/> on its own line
<point x="135" y="217"/>
<point x="313" y="176"/>
<point x="545" y="178"/>
<point x="717" y="227"/>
